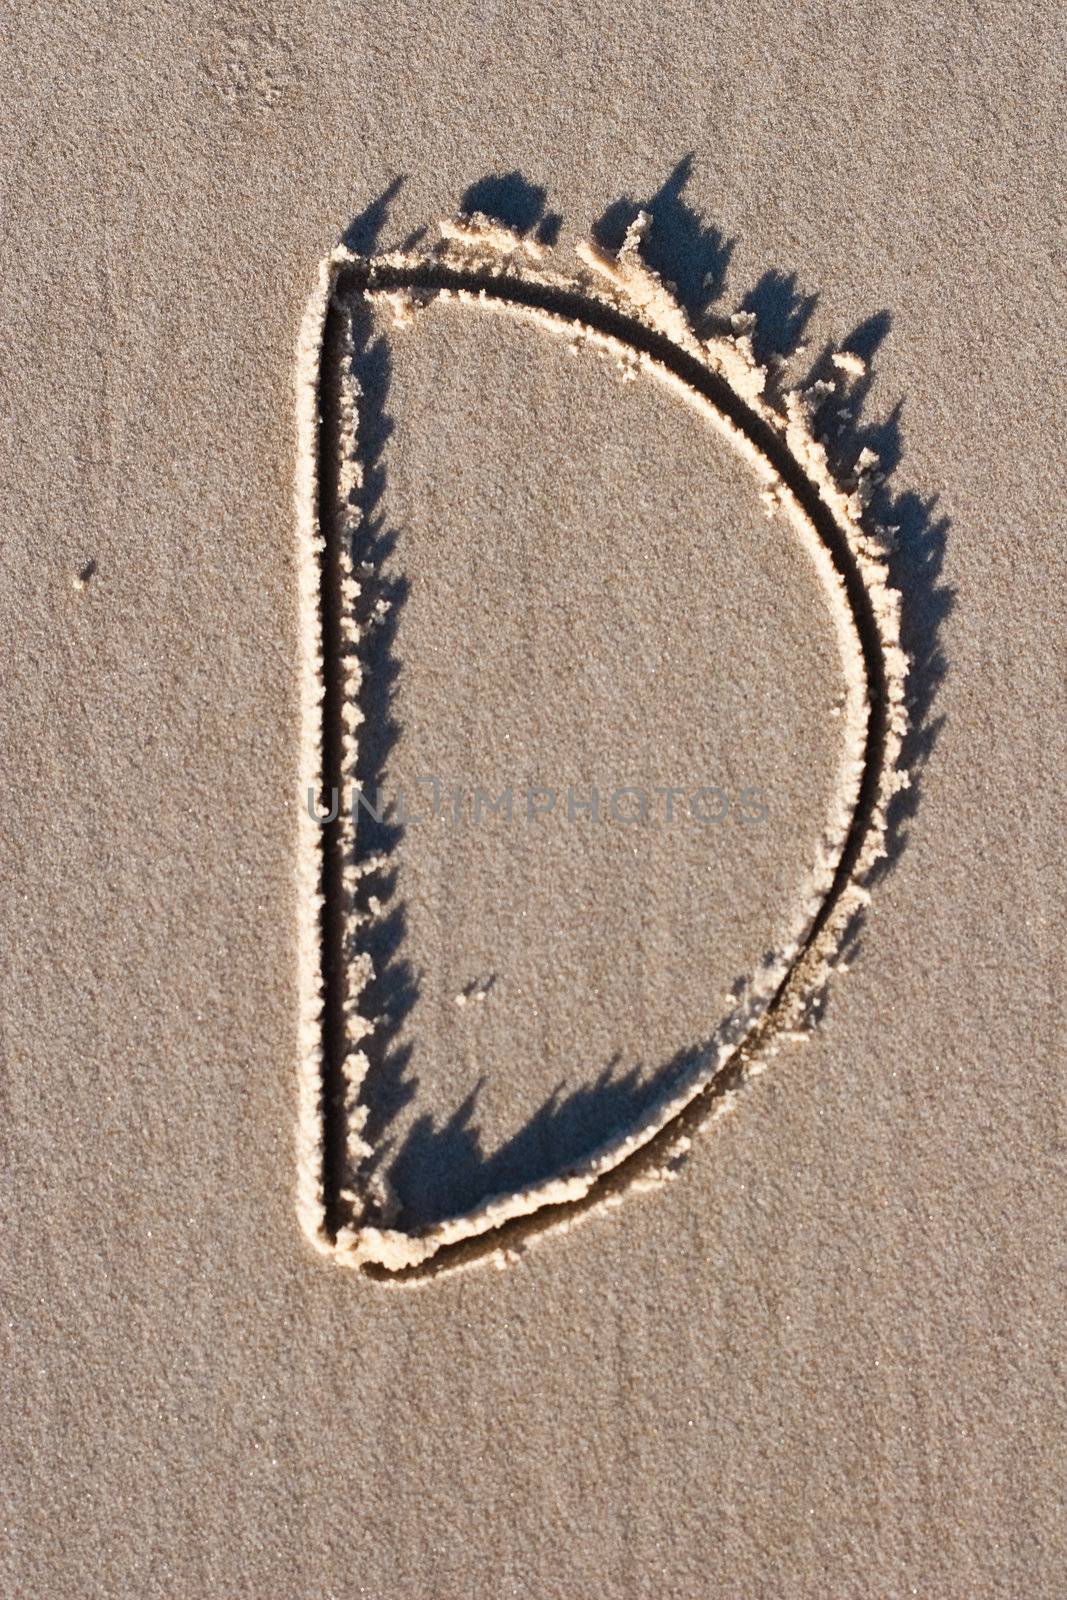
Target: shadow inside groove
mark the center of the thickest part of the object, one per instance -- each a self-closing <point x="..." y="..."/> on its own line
<point x="331" y="445"/>
<point x="567" y="306"/>
<point x="570" y="307"/>
<point x="776" y="294"/>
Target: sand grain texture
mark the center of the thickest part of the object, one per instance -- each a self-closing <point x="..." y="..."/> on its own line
<point x="371" y="707"/>
<point x="827" y="1359"/>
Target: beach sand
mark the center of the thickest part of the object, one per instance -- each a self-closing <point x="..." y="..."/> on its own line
<point x="825" y="1358"/>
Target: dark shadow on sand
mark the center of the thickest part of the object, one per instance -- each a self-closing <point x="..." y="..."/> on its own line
<point x="440" y="1168"/>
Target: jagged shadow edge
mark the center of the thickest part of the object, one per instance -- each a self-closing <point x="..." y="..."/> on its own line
<point x="859" y="564"/>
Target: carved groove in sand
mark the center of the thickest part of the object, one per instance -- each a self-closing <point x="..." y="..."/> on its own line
<point x="613" y="302"/>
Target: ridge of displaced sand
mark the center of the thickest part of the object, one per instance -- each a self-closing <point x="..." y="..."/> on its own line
<point x="618" y="305"/>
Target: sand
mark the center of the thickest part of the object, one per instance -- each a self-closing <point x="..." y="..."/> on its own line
<point x="369" y="709"/>
<point x="825" y="1357"/>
